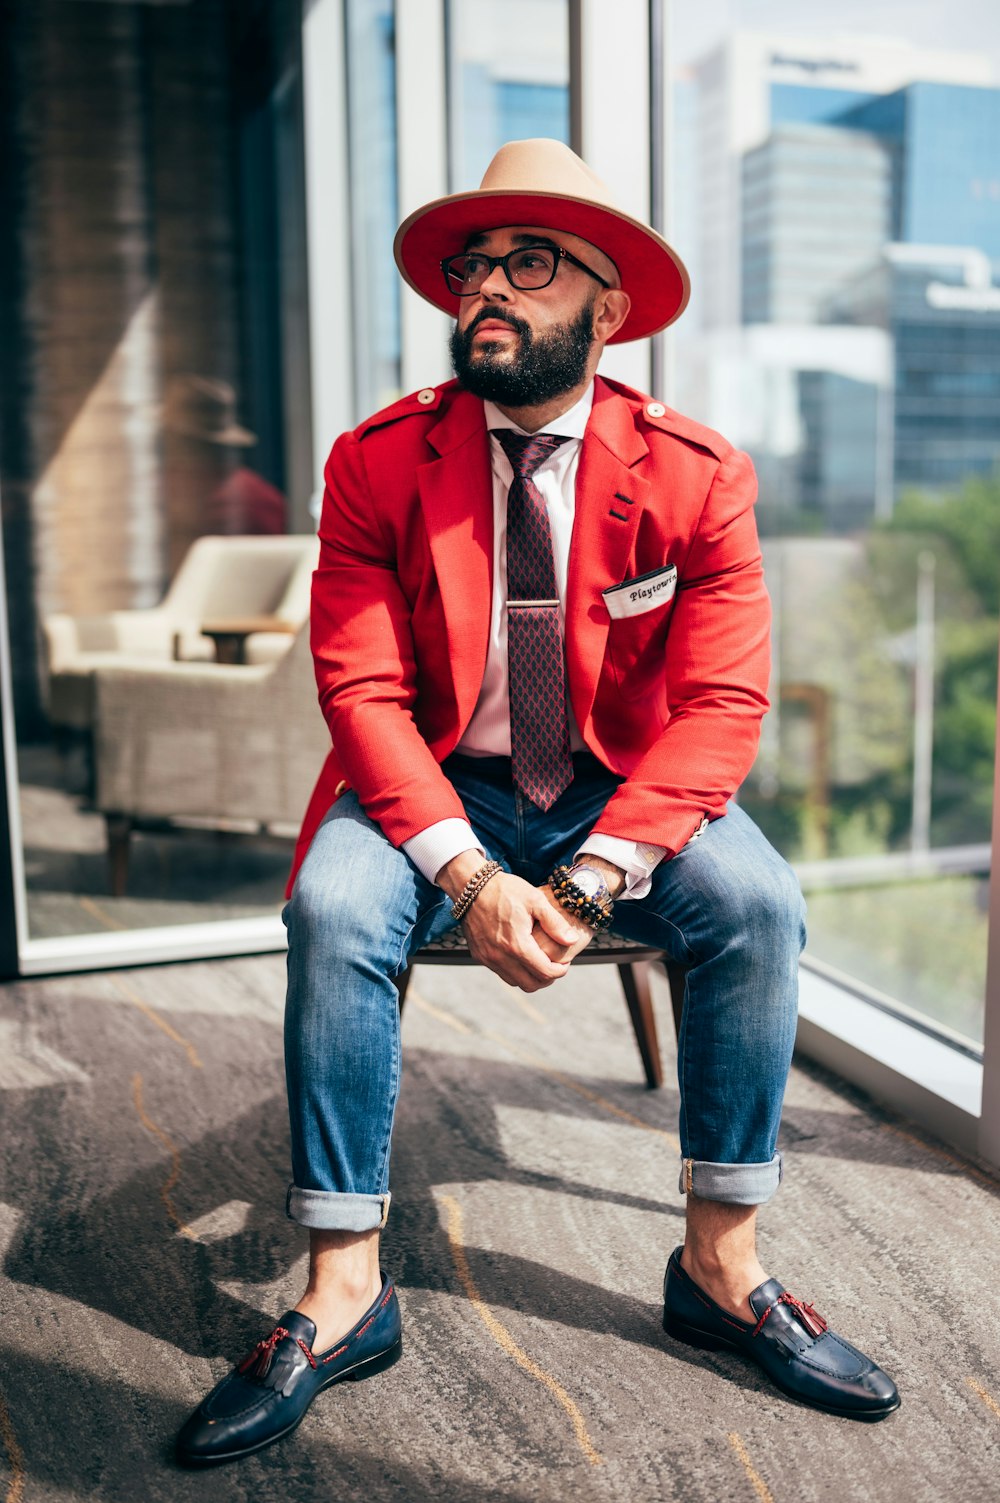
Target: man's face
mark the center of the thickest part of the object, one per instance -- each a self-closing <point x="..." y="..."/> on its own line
<point x="524" y="347"/>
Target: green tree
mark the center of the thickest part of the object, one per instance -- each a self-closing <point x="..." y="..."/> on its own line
<point x="963" y="530"/>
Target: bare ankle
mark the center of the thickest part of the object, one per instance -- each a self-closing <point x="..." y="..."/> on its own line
<point x="347" y="1286"/>
<point x="720" y="1252"/>
<point x="344" y="1280"/>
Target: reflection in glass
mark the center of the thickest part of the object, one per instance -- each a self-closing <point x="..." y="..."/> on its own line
<point x="375" y="293"/>
<point x="156" y="540"/>
<point x="843" y="231"/>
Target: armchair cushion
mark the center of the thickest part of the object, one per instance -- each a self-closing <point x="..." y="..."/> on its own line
<point x="221" y="743"/>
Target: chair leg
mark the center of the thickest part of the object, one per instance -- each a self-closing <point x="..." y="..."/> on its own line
<point x="119" y="828"/>
<point x="677" y="979"/>
<point x="402" y="986"/>
<point x="635" y="984"/>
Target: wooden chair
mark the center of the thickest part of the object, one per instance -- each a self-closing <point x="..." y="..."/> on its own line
<point x="633" y="960"/>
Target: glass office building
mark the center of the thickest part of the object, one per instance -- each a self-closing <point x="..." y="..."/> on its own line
<point x="942" y="312"/>
<point x="946" y="178"/>
<point x="816" y="207"/>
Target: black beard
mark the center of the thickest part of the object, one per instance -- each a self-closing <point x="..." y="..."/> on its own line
<point x="543" y="367"/>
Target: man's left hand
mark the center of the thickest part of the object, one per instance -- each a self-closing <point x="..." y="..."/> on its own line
<point x="552" y="948"/>
<point x="615" y="879"/>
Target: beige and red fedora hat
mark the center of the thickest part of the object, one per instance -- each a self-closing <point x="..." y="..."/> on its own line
<point x="543" y="183"/>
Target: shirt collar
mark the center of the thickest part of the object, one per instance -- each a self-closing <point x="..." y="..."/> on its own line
<point x="571" y="424"/>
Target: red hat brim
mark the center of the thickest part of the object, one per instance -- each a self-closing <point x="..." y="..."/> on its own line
<point x="652" y="274"/>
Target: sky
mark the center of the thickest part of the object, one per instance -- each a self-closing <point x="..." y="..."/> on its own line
<point x="958" y="25"/>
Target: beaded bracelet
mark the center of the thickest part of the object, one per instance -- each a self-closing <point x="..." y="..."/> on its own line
<point x="473" y="888"/>
<point x="573" y="898"/>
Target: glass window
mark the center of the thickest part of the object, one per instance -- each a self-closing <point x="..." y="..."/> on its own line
<point x="371" y="103"/>
<point x="845" y="329"/>
<point x="502" y="90"/>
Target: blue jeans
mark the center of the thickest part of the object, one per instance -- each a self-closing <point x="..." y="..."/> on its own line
<point x="727" y="906"/>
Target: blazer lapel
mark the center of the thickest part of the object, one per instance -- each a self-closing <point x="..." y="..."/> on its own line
<point x="610" y="496"/>
<point x="456" y="493"/>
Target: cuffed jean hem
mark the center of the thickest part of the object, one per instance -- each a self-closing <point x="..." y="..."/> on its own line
<point x="735" y="1184"/>
<point x="331" y="1211"/>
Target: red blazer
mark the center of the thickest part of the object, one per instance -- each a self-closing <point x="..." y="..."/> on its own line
<point x="671" y="698"/>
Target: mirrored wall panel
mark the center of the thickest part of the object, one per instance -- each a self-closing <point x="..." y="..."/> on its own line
<point x="156" y="463"/>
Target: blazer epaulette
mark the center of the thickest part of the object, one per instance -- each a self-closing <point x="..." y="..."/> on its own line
<point x="690" y="432"/>
<point x="427" y="399"/>
<point x="655" y="414"/>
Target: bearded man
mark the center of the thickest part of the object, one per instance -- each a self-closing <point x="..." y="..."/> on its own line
<point x="541" y="633"/>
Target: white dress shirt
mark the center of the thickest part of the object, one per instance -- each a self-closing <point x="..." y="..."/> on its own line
<point x="488" y="732"/>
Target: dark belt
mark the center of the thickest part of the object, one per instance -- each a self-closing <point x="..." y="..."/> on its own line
<point x="497" y="769"/>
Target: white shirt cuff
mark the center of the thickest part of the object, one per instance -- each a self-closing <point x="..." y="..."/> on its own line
<point x="637" y="859"/>
<point x="434" y="847"/>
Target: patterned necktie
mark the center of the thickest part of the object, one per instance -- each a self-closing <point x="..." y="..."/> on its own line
<point x="541" y="764"/>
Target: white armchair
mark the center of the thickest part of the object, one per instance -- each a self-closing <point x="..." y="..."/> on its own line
<point x="292" y="608"/>
<point x="220" y="576"/>
<point x="227" y="746"/>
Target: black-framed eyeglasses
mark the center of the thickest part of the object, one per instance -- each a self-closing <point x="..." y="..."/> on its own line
<point x="529" y="268"/>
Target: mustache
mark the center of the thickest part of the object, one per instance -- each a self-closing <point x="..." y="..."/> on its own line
<point x="497" y="316"/>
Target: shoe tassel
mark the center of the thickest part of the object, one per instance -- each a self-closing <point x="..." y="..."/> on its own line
<point x="258" y="1364"/>
<point x="810" y="1318"/>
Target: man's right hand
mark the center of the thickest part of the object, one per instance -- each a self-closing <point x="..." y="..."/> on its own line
<point x="498" y="926"/>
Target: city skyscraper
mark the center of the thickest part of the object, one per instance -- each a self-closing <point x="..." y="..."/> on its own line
<point x="816" y="210"/>
<point x="943" y="143"/>
<point x="747" y="85"/>
<point x="851" y="178"/>
<point x="940" y="307"/>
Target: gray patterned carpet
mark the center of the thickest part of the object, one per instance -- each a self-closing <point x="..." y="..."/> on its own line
<point x="144" y="1248"/>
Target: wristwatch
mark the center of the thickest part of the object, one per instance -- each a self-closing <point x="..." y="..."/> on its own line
<point x="583" y="891"/>
<point x="592" y="884"/>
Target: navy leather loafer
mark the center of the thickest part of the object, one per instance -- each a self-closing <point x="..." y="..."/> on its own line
<point x="266" y="1396"/>
<point x="789" y="1341"/>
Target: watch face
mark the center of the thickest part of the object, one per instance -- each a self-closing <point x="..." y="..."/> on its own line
<point x="590" y="883"/>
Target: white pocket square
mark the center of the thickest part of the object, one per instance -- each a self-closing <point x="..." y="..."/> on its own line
<point x="643" y="593"/>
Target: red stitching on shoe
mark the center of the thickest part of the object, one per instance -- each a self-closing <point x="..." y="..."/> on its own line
<point x="312" y="1359"/>
<point x="757" y="1328"/>
<point x="341" y="1349"/>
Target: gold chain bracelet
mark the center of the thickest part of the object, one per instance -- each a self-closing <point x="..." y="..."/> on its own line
<point x="473" y="888"/>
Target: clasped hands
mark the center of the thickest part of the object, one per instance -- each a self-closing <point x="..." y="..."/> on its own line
<point x="518" y="931"/>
